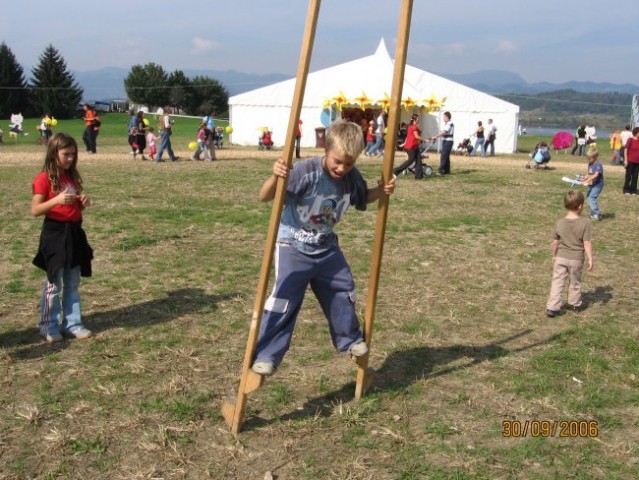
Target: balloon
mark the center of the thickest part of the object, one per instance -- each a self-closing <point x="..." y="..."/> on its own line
<point x="47" y="121"/>
<point x="228" y="129"/>
<point x="193" y="146"/>
<point x="54" y="122"/>
<point x="146" y="121"/>
<point x="325" y="117"/>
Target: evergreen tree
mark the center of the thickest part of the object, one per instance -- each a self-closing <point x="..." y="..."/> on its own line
<point x="148" y="85"/>
<point x="13" y="87"/>
<point x="53" y="87"/>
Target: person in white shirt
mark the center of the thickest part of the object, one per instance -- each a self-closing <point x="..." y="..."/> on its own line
<point x="490" y="138"/>
<point x="446" y="134"/>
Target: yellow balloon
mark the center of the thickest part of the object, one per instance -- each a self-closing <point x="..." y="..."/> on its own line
<point x="193" y="146"/>
<point x="228" y="129"/>
<point x="54" y="122"/>
<point x="146" y="122"/>
<point x="47" y="121"/>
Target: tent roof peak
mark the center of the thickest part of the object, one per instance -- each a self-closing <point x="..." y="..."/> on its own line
<point x="382" y="51"/>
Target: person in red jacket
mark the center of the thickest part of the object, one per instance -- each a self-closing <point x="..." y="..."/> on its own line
<point x="631" y="162"/>
<point x="411" y="145"/>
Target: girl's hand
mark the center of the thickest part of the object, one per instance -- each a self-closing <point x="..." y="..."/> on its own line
<point x="85" y="201"/>
<point x="66" y="198"/>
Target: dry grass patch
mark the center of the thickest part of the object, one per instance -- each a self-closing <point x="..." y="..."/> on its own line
<point x="461" y="344"/>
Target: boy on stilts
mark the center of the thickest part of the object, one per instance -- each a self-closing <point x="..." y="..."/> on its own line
<point x="319" y="191"/>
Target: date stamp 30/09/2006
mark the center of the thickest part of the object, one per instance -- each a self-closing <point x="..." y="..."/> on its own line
<point x="550" y="428"/>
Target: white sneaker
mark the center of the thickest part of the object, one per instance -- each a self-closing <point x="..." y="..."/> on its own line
<point x="359" y="349"/>
<point x="78" y="332"/>
<point x="263" y="368"/>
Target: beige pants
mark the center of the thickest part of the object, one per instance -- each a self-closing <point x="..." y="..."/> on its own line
<point x="565" y="269"/>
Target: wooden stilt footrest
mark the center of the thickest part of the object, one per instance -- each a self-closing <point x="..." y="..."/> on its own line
<point x="253" y="381"/>
<point x="365" y="376"/>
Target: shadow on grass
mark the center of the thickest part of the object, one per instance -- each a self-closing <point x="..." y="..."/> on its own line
<point x="159" y="310"/>
<point x="404" y="367"/>
<point x="601" y="295"/>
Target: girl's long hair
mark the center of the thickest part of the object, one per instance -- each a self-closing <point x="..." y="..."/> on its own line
<point x="56" y="143"/>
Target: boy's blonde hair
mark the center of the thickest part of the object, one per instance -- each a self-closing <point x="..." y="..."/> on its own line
<point x="592" y="153"/>
<point x="573" y="200"/>
<point x="346" y="137"/>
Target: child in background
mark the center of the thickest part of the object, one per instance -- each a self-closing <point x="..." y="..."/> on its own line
<point x="202" y="135"/>
<point x="151" y="138"/>
<point x="319" y="191"/>
<point x="572" y="238"/>
<point x="595" y="182"/>
<point x="63" y="252"/>
<point x="133" y="141"/>
<point x="45" y="128"/>
<point x="370" y="138"/>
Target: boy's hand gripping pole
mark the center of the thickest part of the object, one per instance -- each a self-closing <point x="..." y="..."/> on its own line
<point x="234" y="412"/>
<point x="364" y="374"/>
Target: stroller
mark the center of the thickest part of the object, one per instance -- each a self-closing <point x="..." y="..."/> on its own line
<point x="539" y="157"/>
<point x="423" y="154"/>
<point x="464" y="147"/>
<point x="217" y="137"/>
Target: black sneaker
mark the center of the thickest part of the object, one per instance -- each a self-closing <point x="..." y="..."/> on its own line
<point x="551" y="313"/>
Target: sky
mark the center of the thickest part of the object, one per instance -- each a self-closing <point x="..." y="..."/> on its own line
<point x="540" y="40"/>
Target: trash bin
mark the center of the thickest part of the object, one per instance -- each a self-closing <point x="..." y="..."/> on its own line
<point x="320" y="137"/>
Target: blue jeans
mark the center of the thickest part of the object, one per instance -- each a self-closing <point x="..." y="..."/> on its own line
<point x="591" y="197"/>
<point x="60" y="308"/>
<point x="444" y="158"/>
<point x="165" y="144"/>
<point x="332" y="283"/>
<point x="479" y="143"/>
<point x="379" y="144"/>
<point x="201" y="148"/>
<point x="369" y="148"/>
<point x="490" y="142"/>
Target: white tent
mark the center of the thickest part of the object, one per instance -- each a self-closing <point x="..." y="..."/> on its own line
<point x="367" y="82"/>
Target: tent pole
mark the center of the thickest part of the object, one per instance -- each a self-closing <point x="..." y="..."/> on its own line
<point x="234" y="412"/>
<point x="364" y="374"/>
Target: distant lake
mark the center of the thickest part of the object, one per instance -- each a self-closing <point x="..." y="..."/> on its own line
<point x="551" y="131"/>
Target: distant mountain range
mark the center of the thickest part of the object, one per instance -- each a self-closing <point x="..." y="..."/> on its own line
<point x="499" y="81"/>
<point x="108" y="83"/>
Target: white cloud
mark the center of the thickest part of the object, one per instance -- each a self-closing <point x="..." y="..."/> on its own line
<point x="202" y="46"/>
<point x="507" y="47"/>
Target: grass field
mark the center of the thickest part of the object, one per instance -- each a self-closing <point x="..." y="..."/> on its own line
<point x="473" y="381"/>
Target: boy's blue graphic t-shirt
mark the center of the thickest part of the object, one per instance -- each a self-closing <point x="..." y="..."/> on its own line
<point x="315" y="202"/>
<point x="593" y="167"/>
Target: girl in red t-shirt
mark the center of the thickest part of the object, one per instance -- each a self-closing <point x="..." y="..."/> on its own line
<point x="63" y="250"/>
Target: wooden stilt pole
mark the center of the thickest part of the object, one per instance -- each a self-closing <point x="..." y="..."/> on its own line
<point x="364" y="374"/>
<point x="234" y="412"/>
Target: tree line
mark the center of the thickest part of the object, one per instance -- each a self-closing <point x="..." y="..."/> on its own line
<point x="52" y="88"/>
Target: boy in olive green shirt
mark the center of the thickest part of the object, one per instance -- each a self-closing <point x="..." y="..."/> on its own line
<point x="572" y="241"/>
